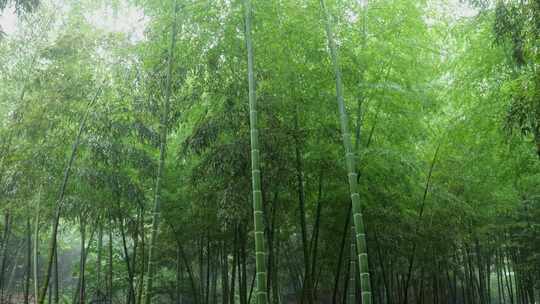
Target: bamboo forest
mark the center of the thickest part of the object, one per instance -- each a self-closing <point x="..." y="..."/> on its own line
<point x="269" y="151"/>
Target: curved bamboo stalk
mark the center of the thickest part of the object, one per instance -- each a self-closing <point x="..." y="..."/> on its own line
<point x="161" y="166"/>
<point x="63" y="187"/>
<point x="358" y="220"/>
<point x="419" y="220"/>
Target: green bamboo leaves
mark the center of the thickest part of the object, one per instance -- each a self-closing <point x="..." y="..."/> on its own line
<point x="161" y="166"/>
<point x="260" y="252"/>
<point x="358" y="220"/>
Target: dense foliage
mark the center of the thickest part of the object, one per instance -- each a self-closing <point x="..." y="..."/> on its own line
<point x="134" y="161"/>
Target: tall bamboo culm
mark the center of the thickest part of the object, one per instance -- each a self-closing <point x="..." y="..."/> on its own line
<point x="358" y="220"/>
<point x="260" y="252"/>
<point x="164" y="128"/>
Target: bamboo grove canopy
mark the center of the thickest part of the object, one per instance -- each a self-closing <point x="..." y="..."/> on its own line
<point x="255" y="151"/>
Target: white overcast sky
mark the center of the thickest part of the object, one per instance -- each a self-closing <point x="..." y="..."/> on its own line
<point x="132" y="20"/>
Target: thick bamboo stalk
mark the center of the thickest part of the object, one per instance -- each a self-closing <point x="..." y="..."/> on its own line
<point x="82" y="268"/>
<point x="36" y="247"/>
<point x="352" y="271"/>
<point x="361" y="245"/>
<point x="340" y="256"/>
<point x="5" y="246"/>
<point x="98" y="259"/>
<point x="306" y="286"/>
<point x="129" y="266"/>
<point x="56" y="280"/>
<point x="110" y="269"/>
<point x="28" y="270"/>
<point x="260" y="252"/>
